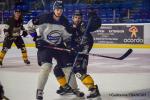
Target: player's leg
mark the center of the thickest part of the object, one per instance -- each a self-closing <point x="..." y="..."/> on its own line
<point x="21" y="45"/>
<point x="62" y="72"/>
<point x="88" y="81"/>
<point x="60" y="76"/>
<point x="58" y="72"/>
<point x="72" y="82"/>
<point x="45" y="61"/>
<point x="24" y="55"/>
<point x="81" y="72"/>
<point x="6" y="45"/>
<point x="66" y="66"/>
<point x="2" y="55"/>
<point x="67" y="69"/>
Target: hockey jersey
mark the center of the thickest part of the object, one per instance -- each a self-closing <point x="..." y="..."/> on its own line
<point x="13" y="27"/>
<point x="50" y="31"/>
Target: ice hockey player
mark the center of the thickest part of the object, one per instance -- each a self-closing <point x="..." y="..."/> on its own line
<point x="52" y="31"/>
<point x="12" y="33"/>
<point x="67" y="69"/>
<point x="80" y="68"/>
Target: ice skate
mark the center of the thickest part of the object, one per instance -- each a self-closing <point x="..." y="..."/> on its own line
<point x="94" y="93"/>
<point x="1" y="64"/>
<point x="60" y="90"/>
<point x="71" y="92"/>
<point x="78" y="93"/>
<point x="27" y="62"/>
<point x="66" y="89"/>
<point x="39" y="95"/>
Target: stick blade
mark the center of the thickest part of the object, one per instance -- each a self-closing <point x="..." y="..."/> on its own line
<point x="126" y="54"/>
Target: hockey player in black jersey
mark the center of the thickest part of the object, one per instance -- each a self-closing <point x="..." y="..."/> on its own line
<point x="12" y="33"/>
<point x="53" y="30"/>
<point x="80" y="68"/>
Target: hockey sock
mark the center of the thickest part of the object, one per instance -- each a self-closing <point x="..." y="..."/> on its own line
<point x="72" y="81"/>
<point x="24" y="55"/>
<point x="88" y="81"/>
<point x="62" y="81"/>
<point x="43" y="76"/>
<point x="2" y="54"/>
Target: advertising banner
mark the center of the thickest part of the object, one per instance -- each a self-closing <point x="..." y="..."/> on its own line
<point x="119" y="34"/>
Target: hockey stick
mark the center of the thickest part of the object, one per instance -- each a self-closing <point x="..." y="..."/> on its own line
<point x="125" y="55"/>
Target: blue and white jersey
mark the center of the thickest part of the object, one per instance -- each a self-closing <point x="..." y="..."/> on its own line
<point x="51" y="31"/>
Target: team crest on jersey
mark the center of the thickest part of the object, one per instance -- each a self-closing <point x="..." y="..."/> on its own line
<point x="54" y="37"/>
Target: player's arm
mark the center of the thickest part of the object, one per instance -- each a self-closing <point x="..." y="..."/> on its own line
<point x="87" y="43"/>
<point x="24" y="32"/>
<point x="30" y="26"/>
<point x="85" y="46"/>
<point x="95" y="20"/>
<point x="33" y="24"/>
<point x="67" y="25"/>
<point x="8" y="27"/>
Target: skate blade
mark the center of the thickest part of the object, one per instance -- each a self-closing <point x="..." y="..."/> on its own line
<point x="66" y="94"/>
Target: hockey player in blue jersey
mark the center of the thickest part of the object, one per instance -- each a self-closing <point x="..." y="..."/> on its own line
<point x="53" y="30"/>
<point x="80" y="68"/>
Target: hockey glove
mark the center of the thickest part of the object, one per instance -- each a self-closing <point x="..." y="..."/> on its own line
<point x="40" y="44"/>
<point x="73" y="51"/>
<point x="91" y="13"/>
<point x="24" y="33"/>
<point x="6" y="33"/>
<point x="95" y="21"/>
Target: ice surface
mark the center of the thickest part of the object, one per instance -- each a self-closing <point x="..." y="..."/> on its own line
<point x="126" y="77"/>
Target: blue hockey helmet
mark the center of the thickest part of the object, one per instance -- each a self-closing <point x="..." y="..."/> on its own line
<point x="77" y="13"/>
<point x="58" y="4"/>
<point x="17" y="9"/>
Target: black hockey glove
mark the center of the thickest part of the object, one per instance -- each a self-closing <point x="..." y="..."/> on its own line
<point x="34" y="39"/>
<point x="91" y="13"/>
<point x="24" y="33"/>
<point x="95" y="21"/>
<point x="40" y="44"/>
<point x="73" y="51"/>
<point x="6" y="33"/>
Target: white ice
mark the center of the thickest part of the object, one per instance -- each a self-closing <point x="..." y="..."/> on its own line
<point x="126" y="77"/>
